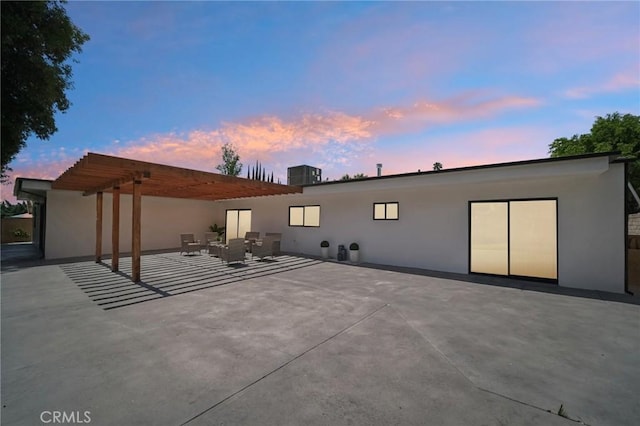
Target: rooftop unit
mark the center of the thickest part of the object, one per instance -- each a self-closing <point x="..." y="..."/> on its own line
<point x="303" y="175"/>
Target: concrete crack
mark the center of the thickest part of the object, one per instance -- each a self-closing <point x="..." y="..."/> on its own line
<point x="426" y="339"/>
<point x="344" y="330"/>
<point x="532" y="406"/>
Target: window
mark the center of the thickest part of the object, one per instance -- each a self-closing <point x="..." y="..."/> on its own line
<point x="304" y="216"/>
<point x="385" y="211"/>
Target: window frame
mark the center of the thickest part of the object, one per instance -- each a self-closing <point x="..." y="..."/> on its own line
<point x="385" y="204"/>
<point x="304" y="207"/>
<point x="508" y="202"/>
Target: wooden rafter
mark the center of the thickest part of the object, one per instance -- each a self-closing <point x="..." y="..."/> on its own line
<point x="95" y="173"/>
<point x="118" y="182"/>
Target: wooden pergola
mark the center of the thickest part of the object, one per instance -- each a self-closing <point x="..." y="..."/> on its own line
<point x="98" y="173"/>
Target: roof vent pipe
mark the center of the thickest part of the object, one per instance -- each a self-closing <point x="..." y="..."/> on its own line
<point x="379" y="166"/>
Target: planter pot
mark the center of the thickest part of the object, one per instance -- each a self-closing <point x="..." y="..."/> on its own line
<point x="325" y="252"/>
<point x="354" y="255"/>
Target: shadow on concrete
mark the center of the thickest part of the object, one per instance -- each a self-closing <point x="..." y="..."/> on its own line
<point x="17" y="258"/>
<point x="168" y="274"/>
<point x="502" y="282"/>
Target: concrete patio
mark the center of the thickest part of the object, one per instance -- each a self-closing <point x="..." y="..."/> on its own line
<point x="301" y="341"/>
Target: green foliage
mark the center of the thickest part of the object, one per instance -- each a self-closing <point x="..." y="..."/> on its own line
<point x="218" y="229"/>
<point x="437" y="166"/>
<point x="356" y="176"/>
<point x="324" y="243"/>
<point x="259" y="173"/>
<point x="354" y="246"/>
<point x="231" y="164"/>
<point x="20" y="233"/>
<point x="38" y="39"/>
<point x="7" y="209"/>
<point x="614" y="132"/>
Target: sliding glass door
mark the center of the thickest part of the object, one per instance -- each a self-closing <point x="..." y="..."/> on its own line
<point x="489" y="238"/>
<point x="533" y="239"/>
<point x="515" y="237"/>
<point x="238" y="223"/>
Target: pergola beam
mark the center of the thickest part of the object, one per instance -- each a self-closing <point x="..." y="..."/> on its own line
<point x="118" y="182"/>
<point x="98" y="173"/>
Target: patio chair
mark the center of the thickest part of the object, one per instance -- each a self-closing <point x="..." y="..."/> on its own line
<point x="210" y="237"/>
<point x="265" y="247"/>
<point x="234" y="251"/>
<point x="250" y="238"/>
<point x="276" y="243"/>
<point x="189" y="244"/>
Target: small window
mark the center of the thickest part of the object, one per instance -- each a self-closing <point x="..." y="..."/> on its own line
<point x="304" y="216"/>
<point x="385" y="211"/>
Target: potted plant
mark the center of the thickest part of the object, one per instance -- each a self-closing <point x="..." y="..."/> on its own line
<point x="354" y="252"/>
<point x="324" y="247"/>
<point x="218" y="229"/>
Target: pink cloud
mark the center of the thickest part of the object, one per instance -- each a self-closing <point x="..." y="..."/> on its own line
<point x="469" y="106"/>
<point x="329" y="138"/>
<point x="49" y="170"/>
<point x="333" y="140"/>
<point x="264" y="138"/>
<point x="486" y="146"/>
<point x="617" y="83"/>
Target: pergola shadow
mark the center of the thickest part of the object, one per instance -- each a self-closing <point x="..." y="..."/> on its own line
<point x="169" y="274"/>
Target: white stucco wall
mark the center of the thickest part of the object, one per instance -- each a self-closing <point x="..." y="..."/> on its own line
<point x="432" y="232"/>
<point x="71" y="223"/>
<point x="433" y="229"/>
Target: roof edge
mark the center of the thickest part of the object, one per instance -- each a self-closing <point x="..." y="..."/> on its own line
<point x="609" y="154"/>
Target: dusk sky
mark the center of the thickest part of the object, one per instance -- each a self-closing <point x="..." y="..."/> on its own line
<point x="340" y="86"/>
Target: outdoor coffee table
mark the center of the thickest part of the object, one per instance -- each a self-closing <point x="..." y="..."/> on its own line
<point x="214" y="248"/>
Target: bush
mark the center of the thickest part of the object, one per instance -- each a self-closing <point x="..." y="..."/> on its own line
<point x="20" y="233"/>
<point x="354" y="246"/>
<point x="325" y="243"/>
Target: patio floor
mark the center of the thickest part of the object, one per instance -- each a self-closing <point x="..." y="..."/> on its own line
<point x="303" y="341"/>
<point x="170" y="274"/>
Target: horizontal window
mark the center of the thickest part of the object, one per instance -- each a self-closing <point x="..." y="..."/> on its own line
<point x="304" y="216"/>
<point x="385" y="211"/>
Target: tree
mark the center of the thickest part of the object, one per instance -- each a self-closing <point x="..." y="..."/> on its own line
<point x="437" y="166"/>
<point x="259" y="173"/>
<point x="38" y="38"/>
<point x="614" y="132"/>
<point x="356" y="176"/>
<point x="231" y="164"/>
<point x="7" y="209"/>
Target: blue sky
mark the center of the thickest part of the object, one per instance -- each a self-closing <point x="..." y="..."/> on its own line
<point x="341" y="86"/>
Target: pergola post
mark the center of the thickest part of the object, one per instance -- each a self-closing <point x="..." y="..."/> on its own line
<point x="136" y="230"/>
<point x="98" y="227"/>
<point x="115" y="230"/>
